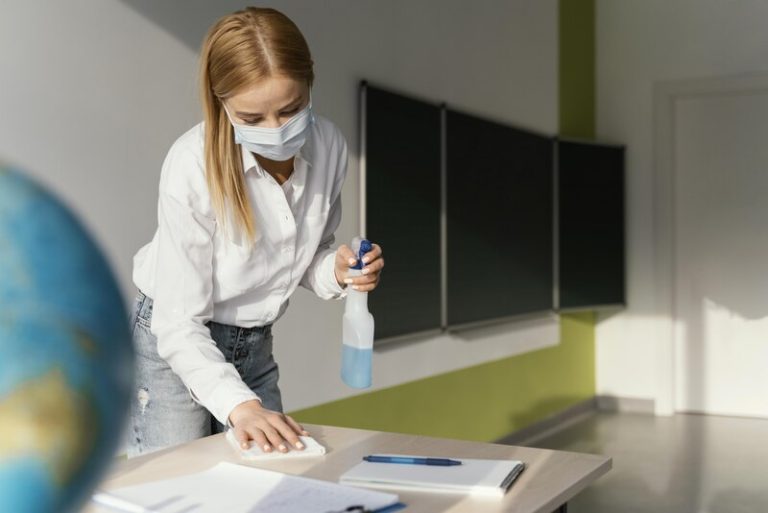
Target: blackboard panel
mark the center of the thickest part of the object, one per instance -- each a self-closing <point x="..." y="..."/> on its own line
<point x="402" y="138"/>
<point x="591" y="224"/>
<point x="500" y="220"/>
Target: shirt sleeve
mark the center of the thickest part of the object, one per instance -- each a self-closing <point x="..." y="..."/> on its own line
<point x="320" y="276"/>
<point x="183" y="304"/>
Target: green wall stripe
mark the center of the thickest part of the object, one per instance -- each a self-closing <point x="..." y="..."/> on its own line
<point x="577" y="68"/>
<point x="484" y="402"/>
<point x="489" y="401"/>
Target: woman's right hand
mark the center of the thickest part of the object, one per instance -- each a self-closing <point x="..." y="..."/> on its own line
<point x="269" y="429"/>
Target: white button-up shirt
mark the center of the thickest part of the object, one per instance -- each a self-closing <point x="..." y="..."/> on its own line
<point x="196" y="270"/>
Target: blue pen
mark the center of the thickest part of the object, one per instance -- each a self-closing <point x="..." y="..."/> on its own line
<point x="443" y="462"/>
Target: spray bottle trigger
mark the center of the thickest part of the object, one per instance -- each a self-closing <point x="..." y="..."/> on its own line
<point x="360" y="247"/>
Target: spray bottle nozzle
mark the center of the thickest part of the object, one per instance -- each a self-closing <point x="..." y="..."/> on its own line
<point x="360" y="247"/>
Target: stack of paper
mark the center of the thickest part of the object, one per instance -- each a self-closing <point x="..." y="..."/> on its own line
<point x="239" y="489"/>
<point x="482" y="477"/>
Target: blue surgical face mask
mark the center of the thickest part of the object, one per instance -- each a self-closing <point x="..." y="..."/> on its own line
<point x="279" y="143"/>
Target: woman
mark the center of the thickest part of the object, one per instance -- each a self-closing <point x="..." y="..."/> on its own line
<point x="248" y="205"/>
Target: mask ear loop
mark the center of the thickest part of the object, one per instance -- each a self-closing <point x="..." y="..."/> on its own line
<point x="311" y="111"/>
<point x="226" y="110"/>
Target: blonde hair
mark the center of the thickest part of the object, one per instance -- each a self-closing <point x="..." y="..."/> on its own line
<point x="239" y="50"/>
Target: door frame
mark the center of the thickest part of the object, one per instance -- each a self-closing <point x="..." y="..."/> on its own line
<point x="666" y="94"/>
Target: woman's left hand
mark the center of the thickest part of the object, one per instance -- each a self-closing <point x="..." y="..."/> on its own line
<point x="373" y="264"/>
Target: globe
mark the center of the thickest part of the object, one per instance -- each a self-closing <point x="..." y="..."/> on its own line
<point x="65" y="353"/>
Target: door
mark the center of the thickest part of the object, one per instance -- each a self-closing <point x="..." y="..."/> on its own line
<point x="720" y="274"/>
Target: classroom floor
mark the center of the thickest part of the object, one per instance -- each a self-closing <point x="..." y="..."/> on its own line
<point x="678" y="464"/>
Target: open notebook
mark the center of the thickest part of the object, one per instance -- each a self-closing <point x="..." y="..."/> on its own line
<point x="481" y="477"/>
<point x="234" y="488"/>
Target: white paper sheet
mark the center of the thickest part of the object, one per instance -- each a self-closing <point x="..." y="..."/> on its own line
<point x="311" y="448"/>
<point x="239" y="489"/>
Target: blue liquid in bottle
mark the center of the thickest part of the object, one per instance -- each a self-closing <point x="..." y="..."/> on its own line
<point x="356" y="366"/>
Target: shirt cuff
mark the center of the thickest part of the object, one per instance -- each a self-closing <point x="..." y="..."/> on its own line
<point x="224" y="399"/>
<point x="327" y="278"/>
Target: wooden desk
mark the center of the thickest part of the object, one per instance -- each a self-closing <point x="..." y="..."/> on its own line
<point x="549" y="481"/>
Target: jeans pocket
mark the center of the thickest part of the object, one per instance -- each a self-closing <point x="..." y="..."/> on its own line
<point x="144" y="310"/>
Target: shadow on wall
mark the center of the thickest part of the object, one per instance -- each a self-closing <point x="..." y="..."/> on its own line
<point x="187" y="20"/>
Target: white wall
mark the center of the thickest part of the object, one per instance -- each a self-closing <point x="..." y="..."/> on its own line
<point x="91" y="97"/>
<point x="641" y="43"/>
<point x="94" y="92"/>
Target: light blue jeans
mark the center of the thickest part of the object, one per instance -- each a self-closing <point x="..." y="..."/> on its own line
<point x="163" y="412"/>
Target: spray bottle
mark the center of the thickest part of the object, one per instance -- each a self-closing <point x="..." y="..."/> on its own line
<point x="357" y="332"/>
